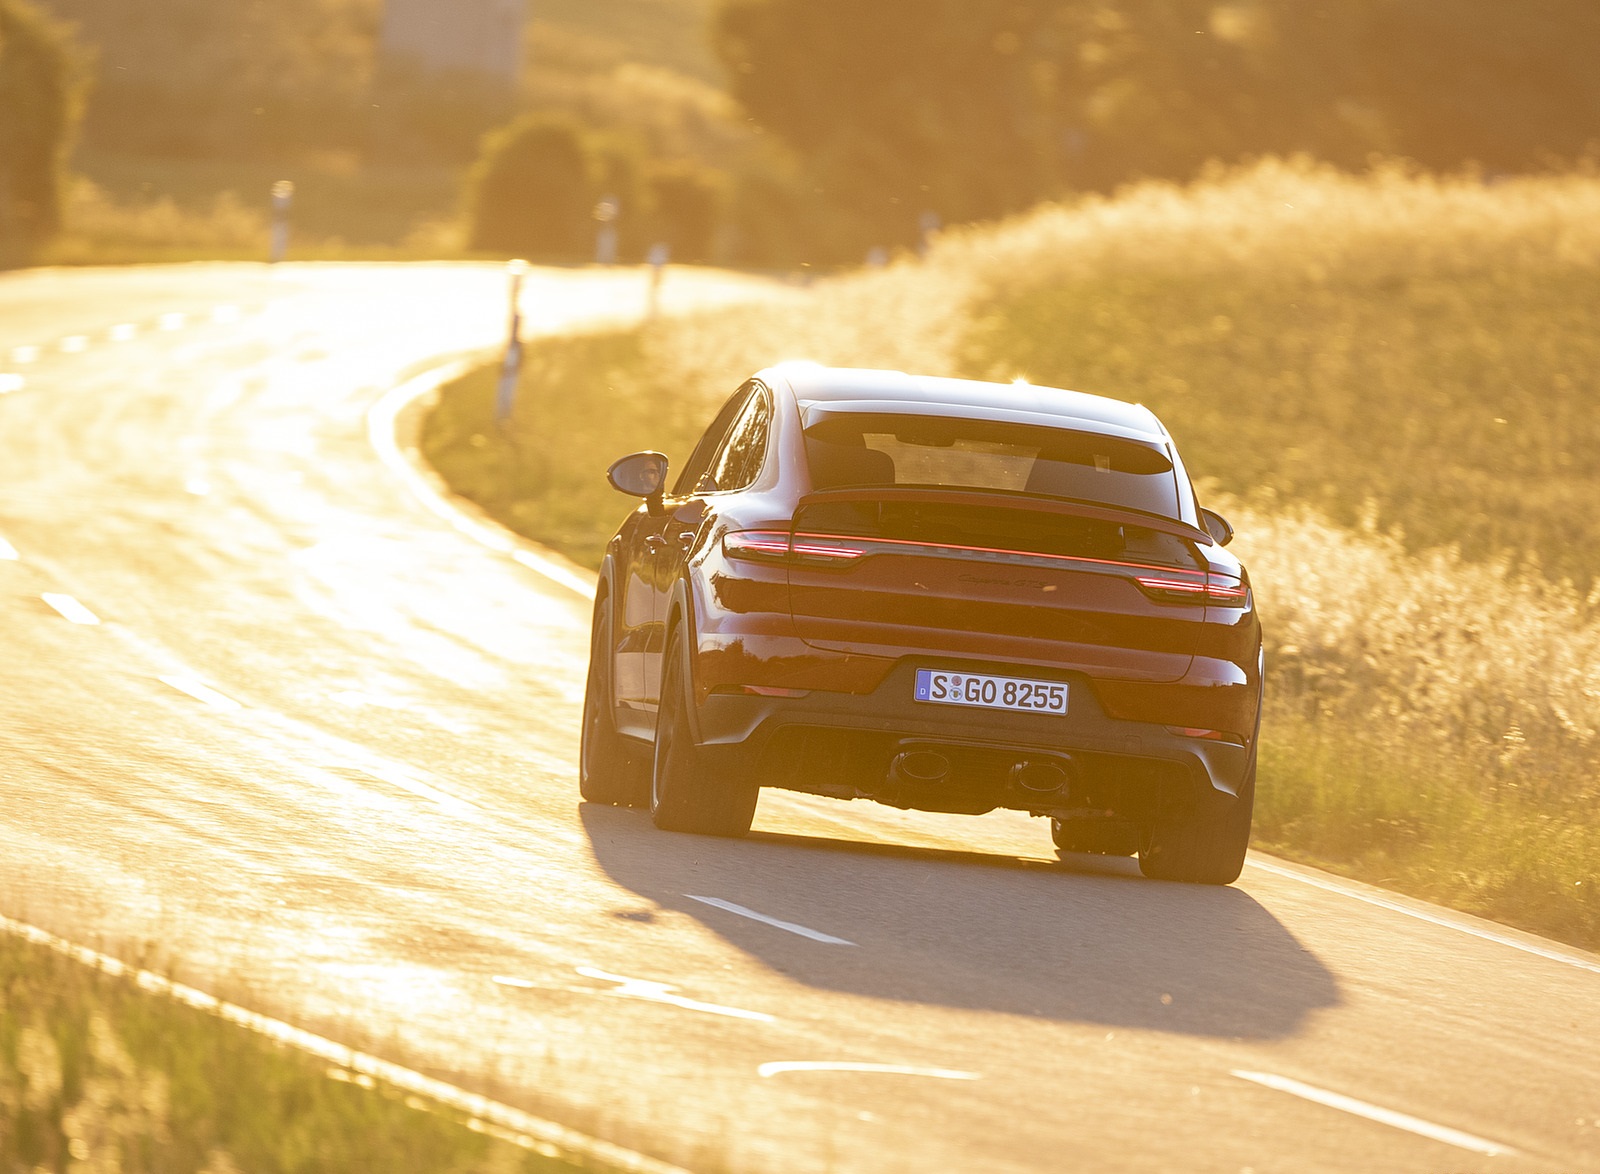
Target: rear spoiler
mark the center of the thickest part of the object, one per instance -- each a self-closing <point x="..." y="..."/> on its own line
<point x="1097" y="511"/>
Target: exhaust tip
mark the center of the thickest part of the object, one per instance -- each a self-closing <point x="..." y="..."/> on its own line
<point x="920" y="766"/>
<point x="1039" y="777"/>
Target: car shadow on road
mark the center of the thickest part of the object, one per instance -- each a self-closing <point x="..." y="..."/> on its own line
<point x="983" y="932"/>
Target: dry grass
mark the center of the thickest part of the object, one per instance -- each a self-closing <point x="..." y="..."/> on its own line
<point x="97" y="1075"/>
<point x="1335" y="355"/>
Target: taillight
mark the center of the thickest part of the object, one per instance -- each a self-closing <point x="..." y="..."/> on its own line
<point x="778" y="546"/>
<point x="1200" y="589"/>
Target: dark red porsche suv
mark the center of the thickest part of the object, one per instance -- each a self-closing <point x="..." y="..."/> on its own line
<point x="939" y="594"/>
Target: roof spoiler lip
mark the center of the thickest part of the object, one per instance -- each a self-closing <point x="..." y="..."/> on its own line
<point x="1121" y="515"/>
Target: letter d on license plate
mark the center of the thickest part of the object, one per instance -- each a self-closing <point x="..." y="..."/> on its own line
<point x="938" y="687"/>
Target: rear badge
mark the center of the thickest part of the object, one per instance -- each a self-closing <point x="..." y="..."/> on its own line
<point x="983" y="691"/>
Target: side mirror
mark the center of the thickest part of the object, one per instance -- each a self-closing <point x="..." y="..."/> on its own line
<point x="640" y="474"/>
<point x="1217" y="526"/>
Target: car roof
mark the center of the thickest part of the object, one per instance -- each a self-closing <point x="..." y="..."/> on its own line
<point x="840" y="389"/>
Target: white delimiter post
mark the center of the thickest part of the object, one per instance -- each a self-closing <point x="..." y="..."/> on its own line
<point x="511" y="367"/>
<point x="282" y="201"/>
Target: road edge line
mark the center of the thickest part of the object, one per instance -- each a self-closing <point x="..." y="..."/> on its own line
<point x="405" y="462"/>
<point x="1440" y="915"/>
<point x="524" y="1129"/>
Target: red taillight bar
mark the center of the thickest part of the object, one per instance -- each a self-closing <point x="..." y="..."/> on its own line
<point x="778" y="546"/>
<point x="1171" y="586"/>
<point x="1210" y="589"/>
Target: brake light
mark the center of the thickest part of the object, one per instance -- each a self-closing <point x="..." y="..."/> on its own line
<point x="1201" y="589"/>
<point x="779" y="546"/>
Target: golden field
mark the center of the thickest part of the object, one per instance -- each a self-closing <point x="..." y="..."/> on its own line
<point x="1387" y="382"/>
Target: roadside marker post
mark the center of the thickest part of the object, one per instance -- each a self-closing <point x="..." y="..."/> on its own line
<point x="505" y="399"/>
<point x="605" y="239"/>
<point x="659" y="253"/>
<point x="282" y="201"/>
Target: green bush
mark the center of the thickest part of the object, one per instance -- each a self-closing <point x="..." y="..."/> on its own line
<point x="533" y="190"/>
<point x="687" y="203"/>
<point x="40" y="103"/>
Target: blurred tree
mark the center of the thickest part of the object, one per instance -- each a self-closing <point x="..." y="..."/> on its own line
<point x="974" y="108"/>
<point x="533" y="190"/>
<point x="40" y="101"/>
<point x="686" y="200"/>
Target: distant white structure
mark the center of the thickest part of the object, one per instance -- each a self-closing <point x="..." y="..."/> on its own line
<point x="446" y="36"/>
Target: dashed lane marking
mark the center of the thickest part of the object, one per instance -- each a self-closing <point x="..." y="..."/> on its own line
<point x="225" y="313"/>
<point x="1405" y="1121"/>
<point x="778" y="1067"/>
<point x="173" y="321"/>
<point x="398" y="778"/>
<point x="69" y="608"/>
<point x="8" y="553"/>
<point x="74" y="344"/>
<point x="521" y="984"/>
<point x="523" y="1129"/>
<point x="660" y="992"/>
<point x="201" y="692"/>
<point x="123" y="331"/>
<point x="24" y="354"/>
<point x="787" y="926"/>
<point x="1441" y="918"/>
<point x="10" y="383"/>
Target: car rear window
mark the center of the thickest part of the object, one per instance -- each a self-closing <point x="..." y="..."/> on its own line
<point x="851" y="449"/>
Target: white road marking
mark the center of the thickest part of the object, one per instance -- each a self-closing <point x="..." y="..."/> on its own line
<point x="521" y="984"/>
<point x="787" y="926"/>
<point x="201" y="692"/>
<point x="381" y="433"/>
<point x="8" y="553"/>
<point x="1405" y="1121"/>
<point x="123" y="331"/>
<point x="660" y="992"/>
<point x="780" y="1066"/>
<point x="225" y="313"/>
<point x="529" y="1132"/>
<point x="173" y="321"/>
<point x="1551" y="951"/>
<point x="24" y="354"/>
<point x="10" y="383"/>
<point x="70" y="608"/>
<point x="197" y="486"/>
<point x="74" y="344"/>
<point x="398" y="778"/>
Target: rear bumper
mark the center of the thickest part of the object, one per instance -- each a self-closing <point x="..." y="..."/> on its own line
<point x="844" y="744"/>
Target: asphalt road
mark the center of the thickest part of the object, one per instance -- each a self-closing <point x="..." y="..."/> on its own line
<point x="271" y="721"/>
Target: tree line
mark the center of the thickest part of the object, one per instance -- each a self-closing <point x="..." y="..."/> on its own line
<point x="975" y="108"/>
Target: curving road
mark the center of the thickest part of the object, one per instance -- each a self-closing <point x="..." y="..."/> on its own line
<point x="272" y="721"/>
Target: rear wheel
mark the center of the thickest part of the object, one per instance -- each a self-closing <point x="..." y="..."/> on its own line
<point x="688" y="792"/>
<point x="610" y="769"/>
<point x="1207" y="848"/>
<point x="1102" y="837"/>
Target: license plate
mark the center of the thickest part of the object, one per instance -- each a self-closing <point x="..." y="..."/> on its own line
<point x="990" y="692"/>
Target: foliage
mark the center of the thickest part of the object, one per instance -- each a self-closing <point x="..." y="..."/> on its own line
<point x="96" y="1074"/>
<point x="532" y="191"/>
<point x="1326" y="349"/>
<point x="982" y="107"/>
<point x="40" y="100"/>
<point x="686" y="204"/>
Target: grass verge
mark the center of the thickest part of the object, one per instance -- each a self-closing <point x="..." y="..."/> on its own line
<point x="98" y="1074"/>
<point x="1433" y="717"/>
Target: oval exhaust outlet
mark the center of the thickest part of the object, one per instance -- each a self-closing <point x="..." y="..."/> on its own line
<point x="920" y="766"/>
<point x="1039" y="776"/>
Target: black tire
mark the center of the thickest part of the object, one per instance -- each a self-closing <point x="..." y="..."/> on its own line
<point x="688" y="793"/>
<point x="1101" y="837"/>
<point x="1209" y="847"/>
<point x="610" y="768"/>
